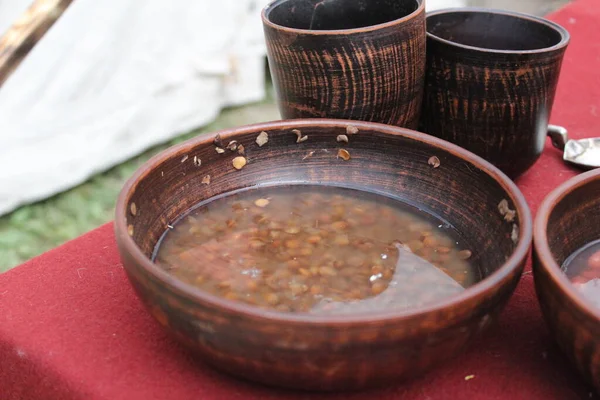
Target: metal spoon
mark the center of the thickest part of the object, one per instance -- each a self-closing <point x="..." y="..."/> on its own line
<point x="584" y="153"/>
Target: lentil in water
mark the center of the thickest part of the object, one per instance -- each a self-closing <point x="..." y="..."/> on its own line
<point x="317" y="249"/>
<point x="583" y="269"/>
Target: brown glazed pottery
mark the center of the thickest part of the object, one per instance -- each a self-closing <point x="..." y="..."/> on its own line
<point x="490" y="82"/>
<point x="348" y="59"/>
<point x="568" y="219"/>
<point x="319" y="352"/>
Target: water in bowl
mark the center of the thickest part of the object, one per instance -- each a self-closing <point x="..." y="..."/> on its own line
<point x="317" y="249"/>
<point x="583" y="269"/>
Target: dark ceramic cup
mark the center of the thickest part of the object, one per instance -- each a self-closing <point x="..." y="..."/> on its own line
<point x="490" y="82"/>
<point x="347" y="59"/>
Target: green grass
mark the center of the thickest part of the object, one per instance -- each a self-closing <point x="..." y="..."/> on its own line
<point x="36" y="228"/>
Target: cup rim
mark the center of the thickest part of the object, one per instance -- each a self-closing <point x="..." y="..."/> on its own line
<point x="564" y="34"/>
<point x="542" y="247"/>
<point x="266" y="21"/>
<point x="479" y="290"/>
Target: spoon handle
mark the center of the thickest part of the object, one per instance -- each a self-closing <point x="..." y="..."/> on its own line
<point x="24" y="34"/>
<point x="559" y="136"/>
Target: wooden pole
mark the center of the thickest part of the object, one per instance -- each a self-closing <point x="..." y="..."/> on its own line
<point x="24" y="34"/>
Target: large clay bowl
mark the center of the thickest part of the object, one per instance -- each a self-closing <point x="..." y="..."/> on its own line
<point x="326" y="352"/>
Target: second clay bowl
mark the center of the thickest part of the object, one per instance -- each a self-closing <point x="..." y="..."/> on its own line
<point x="568" y="219"/>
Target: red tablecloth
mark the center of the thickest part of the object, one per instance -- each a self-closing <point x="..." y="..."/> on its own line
<point x="72" y="328"/>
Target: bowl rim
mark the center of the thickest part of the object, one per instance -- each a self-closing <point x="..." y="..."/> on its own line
<point x="565" y="37"/>
<point x="269" y="7"/>
<point x="496" y="279"/>
<point x="542" y="248"/>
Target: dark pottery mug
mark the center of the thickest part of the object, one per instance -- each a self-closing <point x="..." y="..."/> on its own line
<point x="490" y="82"/>
<point x="349" y="59"/>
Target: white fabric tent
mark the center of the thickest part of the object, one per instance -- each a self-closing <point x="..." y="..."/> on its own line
<point x="114" y="77"/>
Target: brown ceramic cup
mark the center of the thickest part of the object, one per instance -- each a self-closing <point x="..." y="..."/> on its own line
<point x="568" y="219"/>
<point x="347" y="59"/>
<point x="490" y="82"/>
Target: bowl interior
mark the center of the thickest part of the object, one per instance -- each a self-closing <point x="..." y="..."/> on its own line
<point x="490" y="30"/>
<point x="463" y="190"/>
<point x="574" y="221"/>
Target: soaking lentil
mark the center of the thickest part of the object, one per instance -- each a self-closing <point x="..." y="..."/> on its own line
<point x="317" y="249"/>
